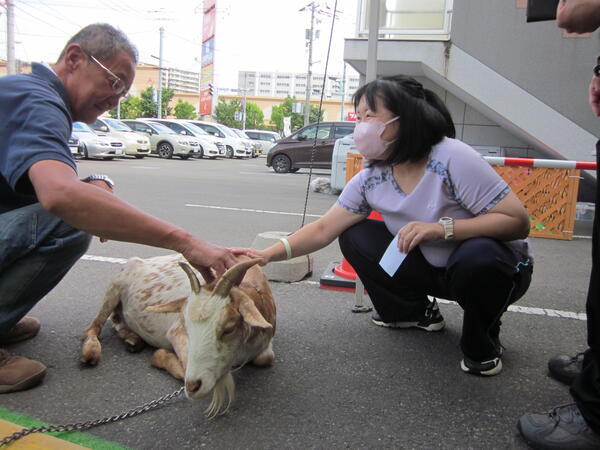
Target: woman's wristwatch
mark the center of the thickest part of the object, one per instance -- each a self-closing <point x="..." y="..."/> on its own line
<point x="100" y="176"/>
<point x="597" y="67"/>
<point x="448" y="224"/>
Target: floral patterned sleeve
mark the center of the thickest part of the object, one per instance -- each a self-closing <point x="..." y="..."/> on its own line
<point x="353" y="196"/>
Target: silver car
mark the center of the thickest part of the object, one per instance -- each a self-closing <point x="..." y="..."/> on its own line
<point x="211" y="147"/>
<point x="164" y="141"/>
<point x="135" y="144"/>
<point x="94" y="146"/>
<point x="264" y="138"/>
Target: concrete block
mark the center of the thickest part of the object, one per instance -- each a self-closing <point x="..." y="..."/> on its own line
<point x="294" y="269"/>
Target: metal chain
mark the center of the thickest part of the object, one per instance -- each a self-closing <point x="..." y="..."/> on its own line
<point x="92" y="423"/>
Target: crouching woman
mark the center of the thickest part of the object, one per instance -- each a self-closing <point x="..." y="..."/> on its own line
<point x="459" y="224"/>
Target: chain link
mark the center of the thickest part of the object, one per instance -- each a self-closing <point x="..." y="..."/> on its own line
<point x="80" y="426"/>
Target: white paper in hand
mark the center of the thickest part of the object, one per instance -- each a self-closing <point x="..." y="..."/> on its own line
<point x="392" y="258"/>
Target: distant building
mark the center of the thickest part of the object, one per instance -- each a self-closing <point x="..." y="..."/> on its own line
<point x="284" y="84"/>
<point x="181" y="80"/>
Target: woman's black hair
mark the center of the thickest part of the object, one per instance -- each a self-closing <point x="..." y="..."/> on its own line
<point x="424" y="119"/>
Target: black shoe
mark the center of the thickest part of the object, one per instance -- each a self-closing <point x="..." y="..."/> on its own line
<point x="562" y="428"/>
<point x="565" y="368"/>
<point x="432" y="320"/>
<point x="484" y="368"/>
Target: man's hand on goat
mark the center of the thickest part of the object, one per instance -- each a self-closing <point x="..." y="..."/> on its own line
<point x="203" y="256"/>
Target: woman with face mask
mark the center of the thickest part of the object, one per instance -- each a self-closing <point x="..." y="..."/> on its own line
<point x="460" y="226"/>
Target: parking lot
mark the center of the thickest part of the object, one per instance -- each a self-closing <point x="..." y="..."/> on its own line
<point x="338" y="381"/>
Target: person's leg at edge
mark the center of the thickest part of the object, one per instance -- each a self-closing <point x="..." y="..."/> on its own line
<point x="484" y="276"/>
<point x="586" y="387"/>
<point x="36" y="251"/>
<point x="576" y="425"/>
<point x="399" y="298"/>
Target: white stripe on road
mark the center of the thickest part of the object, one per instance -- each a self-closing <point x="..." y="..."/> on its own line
<point x="104" y="259"/>
<point x="513" y="308"/>
<point x="533" y="311"/>
<point x="261" y="211"/>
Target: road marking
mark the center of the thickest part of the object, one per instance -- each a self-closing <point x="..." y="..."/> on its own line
<point x="261" y="211"/>
<point x="513" y="308"/>
<point x="145" y="167"/>
<point x="256" y="173"/>
<point x="533" y="311"/>
<point x="104" y="259"/>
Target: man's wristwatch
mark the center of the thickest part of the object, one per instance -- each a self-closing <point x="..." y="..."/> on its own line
<point x="597" y="67"/>
<point x="448" y="224"/>
<point x="100" y="176"/>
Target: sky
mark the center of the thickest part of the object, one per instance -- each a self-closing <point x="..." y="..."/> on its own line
<point x="259" y="35"/>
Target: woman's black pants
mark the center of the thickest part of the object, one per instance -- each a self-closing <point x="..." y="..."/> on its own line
<point x="482" y="275"/>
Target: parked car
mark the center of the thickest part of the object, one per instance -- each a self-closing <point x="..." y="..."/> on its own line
<point x="135" y="144"/>
<point x="253" y="145"/>
<point x="211" y="146"/>
<point x="235" y="146"/>
<point x="76" y="147"/>
<point x="94" y="146"/>
<point x="296" y="151"/>
<point x="264" y="138"/>
<point x="166" y="142"/>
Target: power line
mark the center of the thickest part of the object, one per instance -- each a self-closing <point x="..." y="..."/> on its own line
<point x="20" y="8"/>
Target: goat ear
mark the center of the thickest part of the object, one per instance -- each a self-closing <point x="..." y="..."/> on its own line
<point x="192" y="276"/>
<point x="251" y="314"/>
<point x="172" y="306"/>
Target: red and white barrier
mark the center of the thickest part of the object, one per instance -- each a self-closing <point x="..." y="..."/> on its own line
<point x="548" y="163"/>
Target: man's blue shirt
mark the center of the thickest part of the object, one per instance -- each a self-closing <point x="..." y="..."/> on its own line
<point x="35" y="125"/>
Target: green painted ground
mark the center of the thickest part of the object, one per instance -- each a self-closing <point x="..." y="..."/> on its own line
<point x="83" y="439"/>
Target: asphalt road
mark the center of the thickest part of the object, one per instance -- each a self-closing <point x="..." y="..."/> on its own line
<point x="338" y="381"/>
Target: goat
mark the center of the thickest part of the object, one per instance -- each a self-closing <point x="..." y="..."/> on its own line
<point x="200" y="335"/>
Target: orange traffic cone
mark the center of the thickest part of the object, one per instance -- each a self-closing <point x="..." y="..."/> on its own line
<point x="342" y="276"/>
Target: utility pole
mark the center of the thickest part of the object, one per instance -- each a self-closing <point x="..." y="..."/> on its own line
<point x="343" y="91"/>
<point x="244" y="101"/>
<point x="372" y="41"/>
<point x="10" y="38"/>
<point x="160" y="73"/>
<point x="312" y="7"/>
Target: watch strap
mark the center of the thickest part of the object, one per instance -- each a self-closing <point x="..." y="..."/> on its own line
<point x="101" y="177"/>
<point x="448" y="224"/>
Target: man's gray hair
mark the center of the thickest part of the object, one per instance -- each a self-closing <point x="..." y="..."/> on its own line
<point x="103" y="41"/>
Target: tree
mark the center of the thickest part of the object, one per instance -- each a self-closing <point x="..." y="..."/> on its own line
<point x="285" y="110"/>
<point x="148" y="105"/>
<point x="130" y="108"/>
<point x="225" y="112"/>
<point x="254" y="116"/>
<point x="185" y="110"/>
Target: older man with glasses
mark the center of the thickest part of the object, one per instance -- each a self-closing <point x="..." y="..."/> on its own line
<point x="47" y="214"/>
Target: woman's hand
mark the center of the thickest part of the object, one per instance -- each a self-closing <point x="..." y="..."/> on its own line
<point x="413" y="233"/>
<point x="252" y="253"/>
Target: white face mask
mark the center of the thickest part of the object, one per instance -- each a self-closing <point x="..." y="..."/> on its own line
<point x="367" y="138"/>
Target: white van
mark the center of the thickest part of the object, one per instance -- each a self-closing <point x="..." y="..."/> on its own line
<point x="235" y="146"/>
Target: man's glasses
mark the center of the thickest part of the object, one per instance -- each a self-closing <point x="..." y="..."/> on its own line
<point x="116" y="84"/>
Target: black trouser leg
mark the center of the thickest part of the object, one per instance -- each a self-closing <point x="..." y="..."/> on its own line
<point x="398" y="298"/>
<point x="586" y="387"/>
<point x="485" y="277"/>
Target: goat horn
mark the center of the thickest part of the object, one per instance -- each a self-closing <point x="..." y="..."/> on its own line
<point x="192" y="276"/>
<point x="233" y="276"/>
